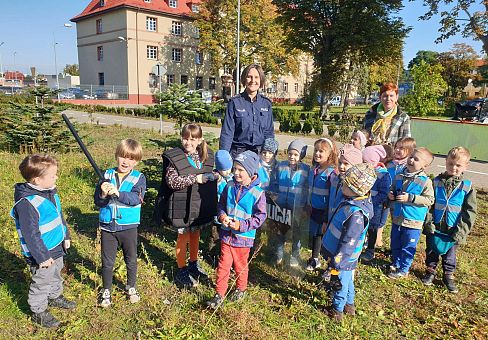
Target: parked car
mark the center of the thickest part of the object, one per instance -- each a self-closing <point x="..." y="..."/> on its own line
<point x="373" y="100"/>
<point x="472" y="110"/>
<point x="106" y="94"/>
<point x="81" y="94"/>
<point x="66" y="95"/>
<point x="335" y="101"/>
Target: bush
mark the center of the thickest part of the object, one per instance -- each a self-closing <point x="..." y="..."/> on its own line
<point x="318" y="126"/>
<point x="307" y="126"/>
<point x="295" y="125"/>
<point x="331" y="129"/>
<point x="285" y="125"/>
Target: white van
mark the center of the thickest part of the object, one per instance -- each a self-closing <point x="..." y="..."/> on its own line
<point x="335" y="101"/>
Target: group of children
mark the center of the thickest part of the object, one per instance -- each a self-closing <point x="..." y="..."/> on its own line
<point x="347" y="193"/>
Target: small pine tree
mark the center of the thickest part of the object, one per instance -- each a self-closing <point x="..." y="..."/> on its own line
<point x="318" y="126"/>
<point x="295" y="125"/>
<point x="331" y="129"/>
<point x="307" y="126"/>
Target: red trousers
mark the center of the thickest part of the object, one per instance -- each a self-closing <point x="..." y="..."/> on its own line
<point x="232" y="255"/>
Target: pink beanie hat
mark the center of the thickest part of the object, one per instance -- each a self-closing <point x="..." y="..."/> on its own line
<point x="351" y="154"/>
<point x="362" y="137"/>
<point x="374" y="154"/>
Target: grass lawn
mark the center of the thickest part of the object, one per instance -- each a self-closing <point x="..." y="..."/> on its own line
<point x="279" y="305"/>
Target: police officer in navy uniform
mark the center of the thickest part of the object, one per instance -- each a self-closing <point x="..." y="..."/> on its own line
<point x="249" y="118"/>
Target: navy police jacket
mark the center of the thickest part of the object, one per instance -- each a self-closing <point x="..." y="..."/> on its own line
<point x="246" y="124"/>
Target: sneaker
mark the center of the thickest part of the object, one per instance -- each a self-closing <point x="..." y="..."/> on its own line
<point x="393" y="268"/>
<point x="428" y="279"/>
<point x="293" y="261"/>
<point x="45" y="319"/>
<point x="397" y="275"/>
<point x="196" y="271"/>
<point x="184" y="280"/>
<point x="62" y="302"/>
<point x="312" y="264"/>
<point x="334" y="314"/>
<point x="450" y="284"/>
<point x="237" y="295"/>
<point x="215" y="302"/>
<point x="105" y="299"/>
<point x="368" y="255"/>
<point x="350" y="309"/>
<point x="133" y="295"/>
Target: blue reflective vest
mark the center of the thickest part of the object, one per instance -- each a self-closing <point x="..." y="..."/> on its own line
<point x="263" y="177"/>
<point x="335" y="193"/>
<point x="121" y="214"/>
<point x="221" y="183"/>
<point x="317" y="187"/>
<point x="394" y="169"/>
<point x="335" y="229"/>
<point x="242" y="210"/>
<point x="292" y="185"/>
<point x="380" y="173"/>
<point x="449" y="207"/>
<point x="415" y="187"/>
<point x="51" y="225"/>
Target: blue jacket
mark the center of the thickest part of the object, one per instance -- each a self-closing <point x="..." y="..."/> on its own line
<point x="292" y="186"/>
<point x="317" y="187"/>
<point x="27" y="220"/>
<point x="122" y="213"/>
<point x="379" y="194"/>
<point x="246" y="123"/>
<point x="266" y="173"/>
<point x="334" y="190"/>
<point x="346" y="231"/>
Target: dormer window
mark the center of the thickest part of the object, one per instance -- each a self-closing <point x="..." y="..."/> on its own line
<point x="102" y="3"/>
<point x="173" y="3"/>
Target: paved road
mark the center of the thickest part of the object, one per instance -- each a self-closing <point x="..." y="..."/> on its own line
<point x="478" y="171"/>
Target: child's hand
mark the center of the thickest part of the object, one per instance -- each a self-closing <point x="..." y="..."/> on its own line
<point x="324" y="228"/>
<point x="105" y="186"/>
<point x="391" y="196"/>
<point x="113" y="191"/>
<point x="234" y="225"/>
<point x="403" y="197"/>
<point x="47" y="263"/>
<point x="201" y="179"/>
<point x="67" y="244"/>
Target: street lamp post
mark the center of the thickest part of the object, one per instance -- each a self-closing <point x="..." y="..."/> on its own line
<point x="238" y="38"/>
<point x="1" y="64"/>
<point x="56" y="61"/>
<point x="15" y="74"/>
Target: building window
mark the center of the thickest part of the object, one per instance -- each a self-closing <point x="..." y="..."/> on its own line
<point x="102" y="3"/>
<point x="176" y="54"/>
<point x="199" y="58"/>
<point x="296" y="87"/>
<point x="99" y="26"/>
<point x="176" y="28"/>
<point x="153" y="80"/>
<point x="173" y="3"/>
<point x="170" y="79"/>
<point x="148" y="1"/>
<point x="100" y="53"/>
<point x="151" y="24"/>
<point x="211" y="83"/>
<point x="285" y="87"/>
<point x="101" y="79"/>
<point x="195" y="8"/>
<point x="197" y="32"/>
<point x="184" y="79"/>
<point x="152" y="52"/>
<point x="199" y="83"/>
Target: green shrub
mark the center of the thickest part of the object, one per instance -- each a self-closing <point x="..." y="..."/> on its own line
<point x="307" y="126"/>
<point x="318" y="126"/>
<point x="285" y="125"/>
<point x="295" y="125"/>
<point x="331" y="129"/>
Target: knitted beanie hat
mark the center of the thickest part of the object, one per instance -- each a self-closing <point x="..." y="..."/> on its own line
<point x="223" y="160"/>
<point x="361" y="136"/>
<point x="271" y="145"/>
<point x="351" y="154"/>
<point x="300" y="146"/>
<point x="360" y="178"/>
<point x="249" y="161"/>
<point x="374" y="154"/>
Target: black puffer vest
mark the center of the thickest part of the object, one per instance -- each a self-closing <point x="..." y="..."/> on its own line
<point x="191" y="206"/>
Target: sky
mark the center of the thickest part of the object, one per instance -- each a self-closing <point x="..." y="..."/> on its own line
<point x="28" y="29"/>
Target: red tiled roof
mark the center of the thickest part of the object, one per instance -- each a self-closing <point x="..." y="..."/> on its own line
<point x="480" y="62"/>
<point x="93" y="8"/>
<point x="14" y="75"/>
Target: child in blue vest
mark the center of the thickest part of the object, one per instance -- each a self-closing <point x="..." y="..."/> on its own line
<point x="223" y="165"/>
<point x="267" y="162"/>
<point x="453" y="213"/>
<point x="325" y="161"/>
<point x="43" y="235"/>
<point x="411" y="195"/>
<point x="241" y="210"/>
<point x="119" y="198"/>
<point x="343" y="241"/>
<point x="375" y="155"/>
<point x="291" y="183"/>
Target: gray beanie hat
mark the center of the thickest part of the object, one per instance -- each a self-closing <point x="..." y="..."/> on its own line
<point x="271" y="145"/>
<point x="249" y="161"/>
<point x="300" y="146"/>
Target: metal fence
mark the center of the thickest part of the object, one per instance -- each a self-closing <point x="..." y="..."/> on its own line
<point x="91" y="92"/>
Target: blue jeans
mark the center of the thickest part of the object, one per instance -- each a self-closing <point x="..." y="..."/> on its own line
<point x="346" y="294"/>
<point x="448" y="259"/>
<point x="403" y="246"/>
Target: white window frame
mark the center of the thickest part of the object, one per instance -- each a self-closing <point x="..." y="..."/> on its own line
<point x="173" y="3"/>
<point x="99" y="26"/>
<point x="102" y="3"/>
<point x="170" y="79"/>
<point x="285" y="87"/>
<point x="199" y="58"/>
<point x="196" y="83"/>
<point x="148" y="1"/>
<point x="100" y="53"/>
<point x="195" y="8"/>
<point x="152" y="52"/>
<point x="151" y="24"/>
<point x="296" y="87"/>
<point x="177" y="55"/>
<point x="177" y="28"/>
<point x="212" y="83"/>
